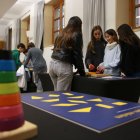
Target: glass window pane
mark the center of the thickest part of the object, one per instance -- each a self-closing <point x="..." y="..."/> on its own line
<point x="56" y="25"/>
<point x="57" y="13"/>
<point x="137" y="2"/>
<point x="137" y="19"/>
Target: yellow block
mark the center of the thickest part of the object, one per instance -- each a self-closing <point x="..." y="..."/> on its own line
<point x="77" y="101"/>
<point x="64" y="105"/>
<point x="36" y="97"/>
<point x="54" y="95"/>
<point x="82" y="110"/>
<point x="51" y="100"/>
<point x="76" y="97"/>
<point x="119" y="103"/>
<point x="95" y="100"/>
<point x="9" y="88"/>
<point x="68" y="94"/>
<point x="104" y="106"/>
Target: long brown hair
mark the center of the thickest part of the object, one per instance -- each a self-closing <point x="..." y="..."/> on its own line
<point x="126" y="35"/>
<point x="69" y="33"/>
<point x="93" y="39"/>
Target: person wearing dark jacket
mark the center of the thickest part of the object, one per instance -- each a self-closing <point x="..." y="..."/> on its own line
<point x="130" y="51"/>
<point x="95" y="49"/>
<point x="35" y="55"/>
<point x="66" y="53"/>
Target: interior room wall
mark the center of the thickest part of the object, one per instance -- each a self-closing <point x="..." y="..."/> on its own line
<point x="72" y="8"/>
<point x="122" y="12"/>
<point x="48" y="13"/>
<point x="110" y="14"/>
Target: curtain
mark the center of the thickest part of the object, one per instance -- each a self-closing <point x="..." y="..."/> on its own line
<point x="94" y="14"/>
<point x="16" y="33"/>
<point x="38" y="19"/>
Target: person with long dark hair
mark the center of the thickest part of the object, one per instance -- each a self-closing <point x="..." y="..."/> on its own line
<point x="130" y="51"/>
<point x="67" y="52"/>
<point x="95" y="49"/>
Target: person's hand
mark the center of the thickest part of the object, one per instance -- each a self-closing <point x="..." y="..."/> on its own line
<point x="91" y="67"/>
<point x="123" y="75"/>
<point x="100" y="69"/>
<point x="98" y="72"/>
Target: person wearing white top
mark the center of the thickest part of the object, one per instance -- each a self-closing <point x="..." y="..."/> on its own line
<point x="111" y="61"/>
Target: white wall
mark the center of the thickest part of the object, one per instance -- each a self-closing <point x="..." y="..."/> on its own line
<point x="73" y="8"/>
<point x="110" y="14"/>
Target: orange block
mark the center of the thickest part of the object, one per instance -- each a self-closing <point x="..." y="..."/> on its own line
<point x="9" y="99"/>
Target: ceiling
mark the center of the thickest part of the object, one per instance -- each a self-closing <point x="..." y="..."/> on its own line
<point x="13" y="9"/>
<point x="5" y="5"/>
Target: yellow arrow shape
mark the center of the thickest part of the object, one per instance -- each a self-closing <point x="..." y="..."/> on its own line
<point x="68" y="94"/>
<point x="64" y="104"/>
<point x="95" y="100"/>
<point x="82" y="110"/>
<point x="51" y="100"/>
<point x="76" y="97"/>
<point x="119" y="103"/>
<point x="77" y="101"/>
<point x="54" y="95"/>
<point x="104" y="106"/>
<point x="36" y="97"/>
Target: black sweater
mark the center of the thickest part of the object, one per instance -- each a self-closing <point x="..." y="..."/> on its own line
<point x="95" y="56"/>
<point x="130" y="59"/>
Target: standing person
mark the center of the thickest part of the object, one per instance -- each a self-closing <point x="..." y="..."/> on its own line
<point x="38" y="62"/>
<point x="16" y="54"/>
<point x="95" y="49"/>
<point x="110" y="64"/>
<point x="67" y="52"/>
<point x="130" y="49"/>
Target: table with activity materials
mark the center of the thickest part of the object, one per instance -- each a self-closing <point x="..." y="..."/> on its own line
<point x="73" y="115"/>
<point x="113" y="87"/>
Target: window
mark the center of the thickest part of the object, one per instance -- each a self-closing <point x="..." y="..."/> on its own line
<point x="135" y="13"/>
<point x="58" y="18"/>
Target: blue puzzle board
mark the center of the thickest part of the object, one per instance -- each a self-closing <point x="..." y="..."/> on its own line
<point x="93" y="112"/>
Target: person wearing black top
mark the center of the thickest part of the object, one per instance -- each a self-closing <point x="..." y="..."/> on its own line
<point x="67" y="52"/>
<point x="95" y="49"/>
<point x="130" y="51"/>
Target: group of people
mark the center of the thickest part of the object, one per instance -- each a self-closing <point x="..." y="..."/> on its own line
<point x="107" y="53"/>
<point x="103" y="55"/>
<point x="116" y="55"/>
<point x="33" y="55"/>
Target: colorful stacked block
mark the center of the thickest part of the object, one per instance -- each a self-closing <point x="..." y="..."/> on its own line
<point x="11" y="111"/>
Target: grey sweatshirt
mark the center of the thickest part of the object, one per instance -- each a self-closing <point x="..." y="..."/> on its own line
<point x="36" y="56"/>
